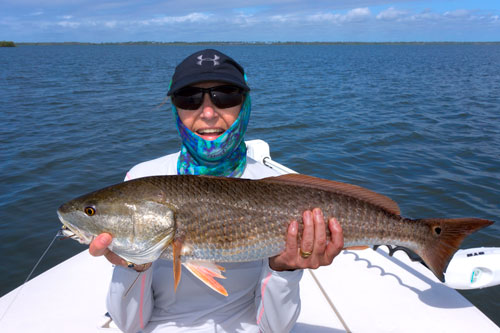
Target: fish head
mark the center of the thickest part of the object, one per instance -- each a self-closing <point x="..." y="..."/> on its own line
<point x="80" y="219"/>
<point x="134" y="213"/>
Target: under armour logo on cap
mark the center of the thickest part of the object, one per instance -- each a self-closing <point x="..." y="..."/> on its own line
<point x="214" y="59"/>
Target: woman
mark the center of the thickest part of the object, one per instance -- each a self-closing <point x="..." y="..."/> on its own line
<point x="211" y="105"/>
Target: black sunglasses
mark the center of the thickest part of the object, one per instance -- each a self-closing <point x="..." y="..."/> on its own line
<point x="223" y="97"/>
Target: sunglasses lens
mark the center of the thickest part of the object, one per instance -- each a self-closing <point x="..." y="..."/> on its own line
<point x="226" y="96"/>
<point x="189" y="98"/>
<point x="223" y="97"/>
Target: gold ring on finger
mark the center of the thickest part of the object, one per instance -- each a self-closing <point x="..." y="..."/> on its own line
<point x="305" y="254"/>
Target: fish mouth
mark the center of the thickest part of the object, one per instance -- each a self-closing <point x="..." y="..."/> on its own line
<point x="70" y="231"/>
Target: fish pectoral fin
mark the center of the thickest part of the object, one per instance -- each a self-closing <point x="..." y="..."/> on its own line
<point x="206" y="271"/>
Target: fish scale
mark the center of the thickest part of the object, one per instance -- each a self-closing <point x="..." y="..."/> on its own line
<point x="211" y="233"/>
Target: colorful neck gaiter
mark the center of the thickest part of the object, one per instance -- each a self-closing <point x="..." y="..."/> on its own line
<point x="224" y="156"/>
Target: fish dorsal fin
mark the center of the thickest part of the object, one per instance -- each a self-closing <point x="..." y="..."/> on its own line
<point x="337" y="187"/>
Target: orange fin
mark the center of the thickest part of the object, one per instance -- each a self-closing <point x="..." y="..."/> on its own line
<point x="447" y="235"/>
<point x="332" y="186"/>
<point x="206" y="271"/>
<point x="361" y="247"/>
<point x="177" y="247"/>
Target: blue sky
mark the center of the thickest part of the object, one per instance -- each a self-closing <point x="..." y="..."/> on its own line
<point x="239" y="20"/>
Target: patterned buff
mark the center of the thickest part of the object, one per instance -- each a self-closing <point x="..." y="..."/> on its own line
<point x="224" y="156"/>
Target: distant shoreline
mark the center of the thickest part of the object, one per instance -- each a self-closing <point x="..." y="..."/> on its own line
<point x="255" y="43"/>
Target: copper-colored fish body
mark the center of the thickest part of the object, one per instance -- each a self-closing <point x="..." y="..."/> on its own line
<point x="229" y="219"/>
<point x="222" y="219"/>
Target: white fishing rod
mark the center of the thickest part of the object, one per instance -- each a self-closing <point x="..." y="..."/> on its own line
<point x="473" y="268"/>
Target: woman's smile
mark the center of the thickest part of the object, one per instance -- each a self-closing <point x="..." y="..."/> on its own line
<point x="210" y="133"/>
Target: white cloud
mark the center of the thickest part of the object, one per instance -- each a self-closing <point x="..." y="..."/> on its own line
<point x="190" y="18"/>
<point x="118" y="24"/>
<point x="354" y="15"/>
<point x="391" y="14"/>
<point x="426" y="15"/>
<point x="244" y="20"/>
<point x="68" y="24"/>
<point x="357" y="14"/>
<point x="280" y="18"/>
<point x="324" y="17"/>
<point x="110" y="24"/>
<point x="459" y="13"/>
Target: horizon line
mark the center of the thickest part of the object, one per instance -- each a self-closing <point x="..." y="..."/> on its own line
<point x="256" y="42"/>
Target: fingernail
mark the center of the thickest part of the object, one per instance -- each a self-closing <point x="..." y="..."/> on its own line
<point x="293" y="227"/>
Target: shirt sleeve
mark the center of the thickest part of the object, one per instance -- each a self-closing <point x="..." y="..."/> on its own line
<point x="130" y="298"/>
<point x="277" y="299"/>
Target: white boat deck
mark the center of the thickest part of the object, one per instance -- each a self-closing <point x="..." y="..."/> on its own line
<point x="373" y="292"/>
<point x="370" y="291"/>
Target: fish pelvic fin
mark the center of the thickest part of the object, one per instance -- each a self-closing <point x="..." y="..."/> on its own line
<point x="447" y="235"/>
<point x="177" y="248"/>
<point x="207" y="271"/>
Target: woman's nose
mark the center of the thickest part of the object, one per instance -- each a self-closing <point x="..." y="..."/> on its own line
<point x="207" y="107"/>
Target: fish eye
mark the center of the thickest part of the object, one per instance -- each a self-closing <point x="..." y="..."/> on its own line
<point x="90" y="211"/>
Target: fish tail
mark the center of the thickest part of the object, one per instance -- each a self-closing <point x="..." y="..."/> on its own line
<point x="447" y="235"/>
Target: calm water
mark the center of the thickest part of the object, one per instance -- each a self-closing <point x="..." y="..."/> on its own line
<point x="419" y="123"/>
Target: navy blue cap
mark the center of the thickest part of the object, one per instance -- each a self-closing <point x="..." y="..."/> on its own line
<point x="207" y="65"/>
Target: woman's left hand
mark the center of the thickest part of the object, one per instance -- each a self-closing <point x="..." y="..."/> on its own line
<point x="315" y="249"/>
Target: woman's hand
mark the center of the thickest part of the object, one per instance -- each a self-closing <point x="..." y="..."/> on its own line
<point x="315" y="249"/>
<point x="99" y="247"/>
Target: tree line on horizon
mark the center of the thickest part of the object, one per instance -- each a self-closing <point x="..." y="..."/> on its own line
<point x="6" y="43"/>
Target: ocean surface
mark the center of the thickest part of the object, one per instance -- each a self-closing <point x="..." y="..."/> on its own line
<point x="418" y="123"/>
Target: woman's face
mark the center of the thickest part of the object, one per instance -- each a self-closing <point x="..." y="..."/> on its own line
<point x="208" y="121"/>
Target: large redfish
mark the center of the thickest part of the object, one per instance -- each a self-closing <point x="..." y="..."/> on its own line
<point x="200" y="220"/>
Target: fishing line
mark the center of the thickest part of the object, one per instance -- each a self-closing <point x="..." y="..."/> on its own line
<point x="133" y="283"/>
<point x="325" y="294"/>
<point x="58" y="234"/>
